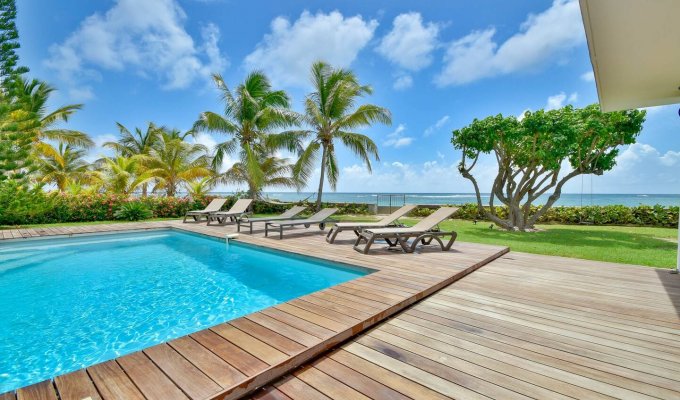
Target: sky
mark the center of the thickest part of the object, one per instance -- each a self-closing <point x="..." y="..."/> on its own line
<point x="435" y="65"/>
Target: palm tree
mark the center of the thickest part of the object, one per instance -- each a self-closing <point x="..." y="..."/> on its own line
<point x="276" y="172"/>
<point x="252" y="112"/>
<point x="330" y="112"/>
<point x="135" y="144"/>
<point x="200" y="187"/>
<point x="174" y="162"/>
<point x="34" y="95"/>
<point x="63" y="165"/>
<point x="124" y="175"/>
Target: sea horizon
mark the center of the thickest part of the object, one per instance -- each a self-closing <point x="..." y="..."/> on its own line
<point x="432" y="198"/>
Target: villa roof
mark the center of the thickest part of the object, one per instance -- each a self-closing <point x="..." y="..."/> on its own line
<point x="634" y="50"/>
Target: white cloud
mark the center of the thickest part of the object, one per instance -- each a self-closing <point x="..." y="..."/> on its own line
<point x="397" y="139"/>
<point x="410" y="43"/>
<point x="403" y="82"/>
<point x="588" y="76"/>
<point x="147" y="37"/>
<point x="560" y="100"/>
<point x="288" y="52"/>
<point x="641" y="168"/>
<point x="436" y="126"/>
<point x="542" y="38"/>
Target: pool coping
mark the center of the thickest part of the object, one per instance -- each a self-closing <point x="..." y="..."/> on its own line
<point x="399" y="280"/>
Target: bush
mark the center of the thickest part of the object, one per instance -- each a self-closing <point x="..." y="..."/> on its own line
<point x="133" y="211"/>
<point x="18" y="204"/>
<point x="596" y="215"/>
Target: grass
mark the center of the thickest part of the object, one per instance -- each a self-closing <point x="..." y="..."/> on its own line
<point x="654" y="247"/>
<point x="648" y="246"/>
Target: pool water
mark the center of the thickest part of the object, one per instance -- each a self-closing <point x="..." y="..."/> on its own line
<point x="67" y="303"/>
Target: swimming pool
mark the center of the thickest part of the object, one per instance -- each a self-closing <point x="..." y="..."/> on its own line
<point x="68" y="303"/>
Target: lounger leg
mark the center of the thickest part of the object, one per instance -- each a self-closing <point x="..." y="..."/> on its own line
<point x="184" y="221"/>
<point x="266" y="229"/>
<point x="454" y="235"/>
<point x="332" y="234"/>
<point x="280" y="231"/>
<point x="238" y="226"/>
<point x="251" y="227"/>
<point x="367" y="247"/>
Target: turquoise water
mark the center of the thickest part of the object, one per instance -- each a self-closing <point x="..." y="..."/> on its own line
<point x="69" y="303"/>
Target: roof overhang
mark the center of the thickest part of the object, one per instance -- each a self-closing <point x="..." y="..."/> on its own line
<point x="635" y="51"/>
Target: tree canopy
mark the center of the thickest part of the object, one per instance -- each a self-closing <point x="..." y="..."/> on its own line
<point x="538" y="153"/>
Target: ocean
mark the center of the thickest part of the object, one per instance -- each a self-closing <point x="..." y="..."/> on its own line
<point x="567" y="199"/>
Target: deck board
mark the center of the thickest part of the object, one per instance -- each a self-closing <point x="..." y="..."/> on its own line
<point x="487" y="335"/>
<point x="234" y="358"/>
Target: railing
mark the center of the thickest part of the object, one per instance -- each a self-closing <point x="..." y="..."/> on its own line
<point x="390" y="200"/>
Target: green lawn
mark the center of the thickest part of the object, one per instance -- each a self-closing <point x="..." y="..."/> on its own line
<point x="623" y="244"/>
<point x="656" y="247"/>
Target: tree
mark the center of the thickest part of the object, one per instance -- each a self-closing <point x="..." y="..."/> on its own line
<point x="251" y="114"/>
<point x="17" y="125"/>
<point x="532" y="152"/>
<point x="200" y="187"/>
<point x="62" y="165"/>
<point x="139" y="143"/>
<point x="9" y="42"/>
<point x="174" y="162"/>
<point x="276" y="172"/>
<point x="34" y="95"/>
<point x="330" y="112"/>
<point x="124" y="175"/>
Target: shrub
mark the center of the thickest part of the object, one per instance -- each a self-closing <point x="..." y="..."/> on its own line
<point x="133" y="211"/>
<point x="18" y="204"/>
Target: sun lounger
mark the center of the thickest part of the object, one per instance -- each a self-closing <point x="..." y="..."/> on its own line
<point x="215" y="205"/>
<point x="321" y="218"/>
<point x="237" y="211"/>
<point x="424" y="232"/>
<point x="288" y="214"/>
<point x="357" y="227"/>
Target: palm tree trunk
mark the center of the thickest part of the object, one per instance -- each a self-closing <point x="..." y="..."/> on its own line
<point x="144" y="189"/>
<point x="319" y="192"/>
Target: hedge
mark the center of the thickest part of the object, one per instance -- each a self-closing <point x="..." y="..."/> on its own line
<point x="596" y="215"/>
<point x="55" y="208"/>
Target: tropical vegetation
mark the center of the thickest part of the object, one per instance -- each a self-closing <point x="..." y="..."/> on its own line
<point x="331" y="113"/>
<point x="539" y="153"/>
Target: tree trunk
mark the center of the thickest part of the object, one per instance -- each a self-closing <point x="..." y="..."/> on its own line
<point x="319" y="192"/>
<point x="144" y="189"/>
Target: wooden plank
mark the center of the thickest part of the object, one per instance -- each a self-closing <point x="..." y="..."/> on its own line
<point x="150" y="380"/>
<point x="297" y="389"/>
<point x="208" y="362"/>
<point x="39" y="391"/>
<point x="245" y="362"/>
<point x="328" y="385"/>
<point x="385" y="376"/>
<point x="256" y="347"/>
<point x="284" y="329"/>
<point x="184" y="374"/>
<point x="8" y="396"/>
<point x="112" y="382"/>
<point x="76" y="386"/>
<point x="268" y="336"/>
<point x="413" y="373"/>
<point x="298" y="323"/>
<point x="362" y="383"/>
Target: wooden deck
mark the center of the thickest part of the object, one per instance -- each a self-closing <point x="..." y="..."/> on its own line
<point x="523" y="326"/>
<point x="231" y="359"/>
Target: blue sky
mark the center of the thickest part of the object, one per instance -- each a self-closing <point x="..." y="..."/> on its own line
<point x="436" y="65"/>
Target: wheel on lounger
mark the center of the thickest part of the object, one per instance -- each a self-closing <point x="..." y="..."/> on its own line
<point x="306" y="225"/>
<point x="322" y="226"/>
